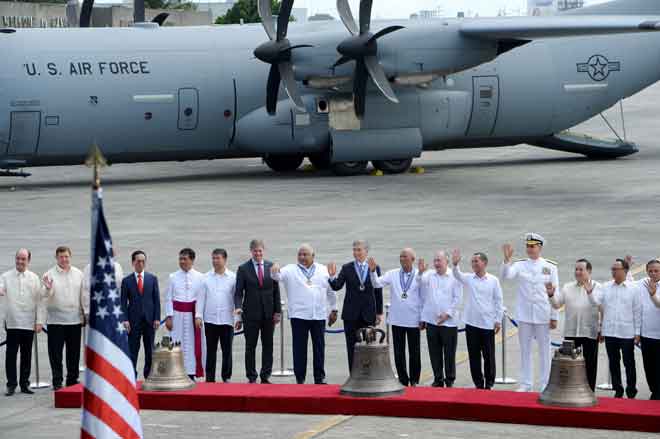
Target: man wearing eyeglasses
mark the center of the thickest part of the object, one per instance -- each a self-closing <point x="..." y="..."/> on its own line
<point x="536" y="317"/>
<point x="622" y="313"/>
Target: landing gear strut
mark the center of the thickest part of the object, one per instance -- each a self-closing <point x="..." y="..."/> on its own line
<point x="283" y="163"/>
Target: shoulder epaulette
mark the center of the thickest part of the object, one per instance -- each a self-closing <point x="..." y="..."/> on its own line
<point x="551" y="261"/>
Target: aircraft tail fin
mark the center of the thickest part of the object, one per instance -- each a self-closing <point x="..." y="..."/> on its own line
<point x="620" y="7"/>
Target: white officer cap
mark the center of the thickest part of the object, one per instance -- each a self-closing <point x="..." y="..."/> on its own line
<point x="534" y="239"/>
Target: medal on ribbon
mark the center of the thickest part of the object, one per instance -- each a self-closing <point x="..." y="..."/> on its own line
<point x="362" y="274"/>
<point x="406" y="282"/>
<point x="308" y="273"/>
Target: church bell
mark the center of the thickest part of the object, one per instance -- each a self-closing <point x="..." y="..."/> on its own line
<point x="371" y="374"/>
<point x="568" y="385"/>
<point x="168" y="373"/>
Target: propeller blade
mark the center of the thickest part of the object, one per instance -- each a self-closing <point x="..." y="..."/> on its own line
<point x="383" y="32"/>
<point x="340" y="61"/>
<point x="86" y="13"/>
<point x="272" y="89"/>
<point x="378" y="77"/>
<point x="346" y="16"/>
<point x="289" y="80"/>
<point x="283" y="19"/>
<point x="160" y="18"/>
<point x="365" y="16"/>
<point x="360" y="88"/>
<point x="265" y="11"/>
<point x="297" y="46"/>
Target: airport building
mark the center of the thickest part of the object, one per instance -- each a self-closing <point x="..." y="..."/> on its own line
<point x="21" y="14"/>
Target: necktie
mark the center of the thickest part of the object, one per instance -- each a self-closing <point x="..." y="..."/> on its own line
<point x="140" y="284"/>
<point x="261" y="275"/>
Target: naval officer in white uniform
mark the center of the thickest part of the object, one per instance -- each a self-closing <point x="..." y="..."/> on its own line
<point x="534" y="313"/>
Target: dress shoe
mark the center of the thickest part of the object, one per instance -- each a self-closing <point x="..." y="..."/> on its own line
<point x="265" y="381"/>
<point x="413" y="384"/>
<point x="10" y="391"/>
<point x="300" y="381"/>
<point x="226" y="381"/>
<point x="618" y="393"/>
<point x="27" y="391"/>
<point x="631" y="393"/>
<point x="57" y="387"/>
<point x="437" y="384"/>
<point x="320" y="382"/>
<point x="252" y="381"/>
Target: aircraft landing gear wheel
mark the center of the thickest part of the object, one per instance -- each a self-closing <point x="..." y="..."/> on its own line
<point x="348" y="168"/>
<point x="320" y="160"/>
<point x="392" y="166"/>
<point x="283" y="163"/>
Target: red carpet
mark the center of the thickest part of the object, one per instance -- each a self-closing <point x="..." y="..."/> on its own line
<point x="418" y="402"/>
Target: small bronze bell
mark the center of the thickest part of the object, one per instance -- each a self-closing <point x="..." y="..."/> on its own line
<point x="568" y="385"/>
<point x="167" y="373"/>
<point x="371" y="374"/>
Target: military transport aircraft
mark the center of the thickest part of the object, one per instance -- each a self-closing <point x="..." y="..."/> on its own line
<point x="340" y="93"/>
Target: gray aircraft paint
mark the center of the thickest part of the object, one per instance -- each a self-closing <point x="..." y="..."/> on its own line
<point x="147" y="94"/>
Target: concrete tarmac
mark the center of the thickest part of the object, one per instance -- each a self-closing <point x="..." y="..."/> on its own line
<point x="475" y="199"/>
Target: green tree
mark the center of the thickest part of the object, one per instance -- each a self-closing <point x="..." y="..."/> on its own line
<point x="246" y="10"/>
<point x="169" y="4"/>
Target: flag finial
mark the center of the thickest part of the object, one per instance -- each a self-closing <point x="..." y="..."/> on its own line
<point x="96" y="161"/>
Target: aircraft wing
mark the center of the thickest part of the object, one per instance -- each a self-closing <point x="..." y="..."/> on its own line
<point x="531" y="28"/>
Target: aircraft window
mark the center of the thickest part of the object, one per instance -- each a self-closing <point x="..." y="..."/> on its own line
<point x="52" y="120"/>
<point x="188" y="112"/>
<point x="486" y="93"/>
<point x="227" y="114"/>
<point x="148" y="115"/>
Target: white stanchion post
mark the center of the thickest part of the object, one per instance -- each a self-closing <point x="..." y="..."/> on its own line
<point x="504" y="379"/>
<point x="37" y="384"/>
<point x="283" y="372"/>
<point x="607" y="385"/>
<point x="81" y="368"/>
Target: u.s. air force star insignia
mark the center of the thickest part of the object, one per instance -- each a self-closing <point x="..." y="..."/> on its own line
<point x="598" y="67"/>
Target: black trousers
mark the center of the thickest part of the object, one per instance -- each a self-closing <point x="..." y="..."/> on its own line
<point x="442" y="342"/>
<point x="142" y="331"/>
<point x="19" y="339"/>
<point x="60" y="336"/>
<point x="252" y="330"/>
<point x="616" y="348"/>
<point x="224" y="334"/>
<point x="481" y="342"/>
<point x="651" y="358"/>
<point x="590" y="353"/>
<point x="399" y="336"/>
<point x="350" y="328"/>
<point x="301" y="330"/>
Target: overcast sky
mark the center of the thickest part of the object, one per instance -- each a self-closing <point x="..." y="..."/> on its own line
<point x="403" y="8"/>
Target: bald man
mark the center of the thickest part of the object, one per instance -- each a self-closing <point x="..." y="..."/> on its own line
<point x="21" y="296"/>
<point x="405" y="313"/>
<point x="311" y="301"/>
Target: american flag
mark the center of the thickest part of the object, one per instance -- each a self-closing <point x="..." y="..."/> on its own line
<point x="110" y="403"/>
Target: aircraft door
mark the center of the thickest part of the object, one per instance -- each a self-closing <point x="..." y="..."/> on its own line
<point x="485" y="104"/>
<point x="24" y="131"/>
<point x="188" y="108"/>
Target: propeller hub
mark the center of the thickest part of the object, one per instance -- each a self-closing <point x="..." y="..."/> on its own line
<point x="358" y="46"/>
<point x="273" y="52"/>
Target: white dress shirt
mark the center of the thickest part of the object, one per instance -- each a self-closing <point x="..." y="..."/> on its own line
<point x="183" y="287"/>
<point x="622" y="312"/>
<point x="87" y="274"/>
<point x="22" y="297"/>
<point x="533" y="305"/>
<point x="441" y="293"/>
<point x="484" y="302"/>
<point x="581" y="316"/>
<point x="650" y="326"/>
<point x="305" y="301"/>
<point x="67" y="302"/>
<point x="406" y="312"/>
<point x="215" y="298"/>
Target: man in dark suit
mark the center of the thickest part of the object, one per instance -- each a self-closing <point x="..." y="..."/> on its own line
<point x="140" y="301"/>
<point x="363" y="304"/>
<point x="257" y="297"/>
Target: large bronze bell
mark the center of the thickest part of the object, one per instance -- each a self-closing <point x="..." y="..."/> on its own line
<point x="371" y="374"/>
<point x="568" y="385"/>
<point x="168" y="373"/>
